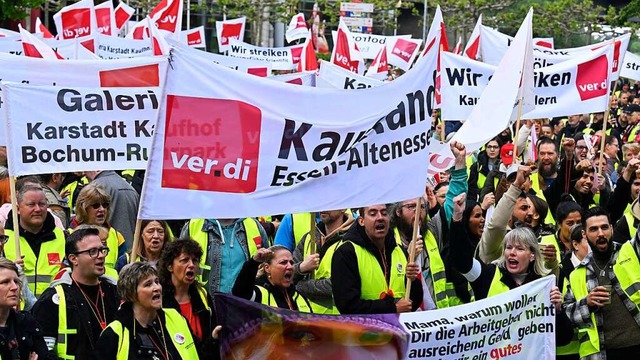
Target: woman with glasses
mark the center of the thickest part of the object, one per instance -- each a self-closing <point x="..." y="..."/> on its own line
<point x="488" y="159"/>
<point x="92" y="208"/>
<point x="155" y="235"/>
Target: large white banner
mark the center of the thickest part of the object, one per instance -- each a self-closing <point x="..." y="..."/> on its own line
<point x="142" y="72"/>
<point x="112" y="47"/>
<point x="253" y="67"/>
<point x="334" y="77"/>
<point x="631" y="66"/>
<point x="78" y="128"/>
<point x="370" y="44"/>
<point x="271" y="148"/>
<point x="579" y="84"/>
<point x="493" y="48"/>
<point x="518" y="325"/>
<point x="11" y="45"/>
<point x="282" y="58"/>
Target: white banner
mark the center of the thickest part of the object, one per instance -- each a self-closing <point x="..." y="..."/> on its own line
<point x="115" y="73"/>
<point x="306" y="78"/>
<point x="493" y="46"/>
<point x="579" y="83"/>
<point x="78" y="128"/>
<point x="282" y="58"/>
<point x="369" y="44"/>
<point x="518" y="325"/>
<point x="631" y="66"/>
<point x="265" y="147"/>
<point x="111" y="47"/>
<point x="11" y="45"/>
<point x="335" y="77"/>
<point x="253" y="67"/>
<point x="73" y="49"/>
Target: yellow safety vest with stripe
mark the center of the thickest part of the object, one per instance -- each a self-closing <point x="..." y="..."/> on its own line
<point x="627" y="271"/>
<point x="254" y="242"/>
<point x="266" y="298"/>
<point x="497" y="286"/>
<point x="71" y="188"/>
<point x="176" y="325"/>
<point x="552" y="240"/>
<point x="322" y="272"/>
<point x="113" y="243"/>
<point x="38" y="270"/>
<point x="372" y="280"/>
<point x="535" y="185"/>
<point x="301" y="224"/>
<point x="633" y="133"/>
<point x="574" y="346"/>
<point x="203" y="296"/>
<point x="63" y="327"/>
<point x="630" y="220"/>
<point x="444" y="291"/>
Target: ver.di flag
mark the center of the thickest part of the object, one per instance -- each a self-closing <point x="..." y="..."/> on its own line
<point x="268" y="147"/>
<point x="297" y="28"/>
<point x="76" y="20"/>
<point x="229" y="29"/>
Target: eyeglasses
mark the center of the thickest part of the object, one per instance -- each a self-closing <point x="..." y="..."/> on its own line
<point x="94" y="252"/>
<point x="4" y="239"/>
<point x="96" y="206"/>
<point x="581" y="148"/>
<point x="412" y="207"/>
<point x="493" y="147"/>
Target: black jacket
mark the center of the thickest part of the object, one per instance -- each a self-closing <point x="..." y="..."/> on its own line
<point x="79" y="316"/>
<point x="207" y="346"/>
<point x="22" y="336"/>
<point x="345" y="276"/>
<point x="246" y="287"/>
<point x="481" y="166"/>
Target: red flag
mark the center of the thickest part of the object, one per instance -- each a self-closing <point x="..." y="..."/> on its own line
<point x="104" y="18"/>
<point x="122" y="14"/>
<point x="41" y="29"/>
<point x="308" y="60"/>
<point x="34" y="47"/>
<point x="76" y="20"/>
<point x="345" y="52"/>
<point x="168" y="16"/>
<point x="379" y="67"/>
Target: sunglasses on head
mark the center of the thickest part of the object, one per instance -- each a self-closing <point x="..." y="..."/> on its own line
<point x="96" y="206"/>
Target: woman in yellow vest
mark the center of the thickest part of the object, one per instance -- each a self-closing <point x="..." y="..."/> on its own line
<point x="274" y="287"/>
<point x="155" y="235"/>
<point x="143" y="329"/>
<point x="488" y="160"/>
<point x="518" y="265"/>
<point x="92" y="208"/>
<point x="181" y="290"/>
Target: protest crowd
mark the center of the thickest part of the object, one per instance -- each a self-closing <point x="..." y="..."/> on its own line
<point x="83" y="276"/>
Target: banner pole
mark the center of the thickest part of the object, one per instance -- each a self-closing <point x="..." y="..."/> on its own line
<point x="136" y="241"/>
<point x="14" y="215"/>
<point x="312" y="238"/>
<point x="515" y="138"/>
<point x="604" y="129"/>
<point x="412" y="244"/>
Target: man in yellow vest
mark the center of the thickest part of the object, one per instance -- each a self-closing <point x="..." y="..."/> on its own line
<point x="41" y="242"/>
<point x="226" y="245"/>
<point x="602" y="297"/>
<point x="631" y="133"/>
<point x="369" y="271"/>
<point x="75" y="309"/>
<point x="312" y="267"/>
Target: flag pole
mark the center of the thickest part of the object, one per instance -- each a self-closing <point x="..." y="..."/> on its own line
<point x="14" y="215"/>
<point x="515" y="138"/>
<point x="312" y="238"/>
<point x="606" y="119"/>
<point x="412" y="244"/>
<point x="136" y="241"/>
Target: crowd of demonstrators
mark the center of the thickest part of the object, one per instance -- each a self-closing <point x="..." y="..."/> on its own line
<point x="508" y="214"/>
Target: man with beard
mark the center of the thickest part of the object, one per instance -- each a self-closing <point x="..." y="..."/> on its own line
<point x="312" y="267"/>
<point x="547" y="165"/>
<point x="602" y="297"/>
<point x="579" y="188"/>
<point x="369" y="271"/>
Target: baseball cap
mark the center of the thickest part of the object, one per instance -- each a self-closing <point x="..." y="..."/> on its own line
<point x="632" y="108"/>
<point x="506" y="154"/>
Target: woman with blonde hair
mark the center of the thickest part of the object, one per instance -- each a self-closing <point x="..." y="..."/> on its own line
<point x="92" y="208"/>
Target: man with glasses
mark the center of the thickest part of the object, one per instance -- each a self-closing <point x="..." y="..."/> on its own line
<point x="41" y="242"/>
<point x="75" y="309"/>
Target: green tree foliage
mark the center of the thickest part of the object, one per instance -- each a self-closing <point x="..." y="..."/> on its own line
<point x="17" y="9"/>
